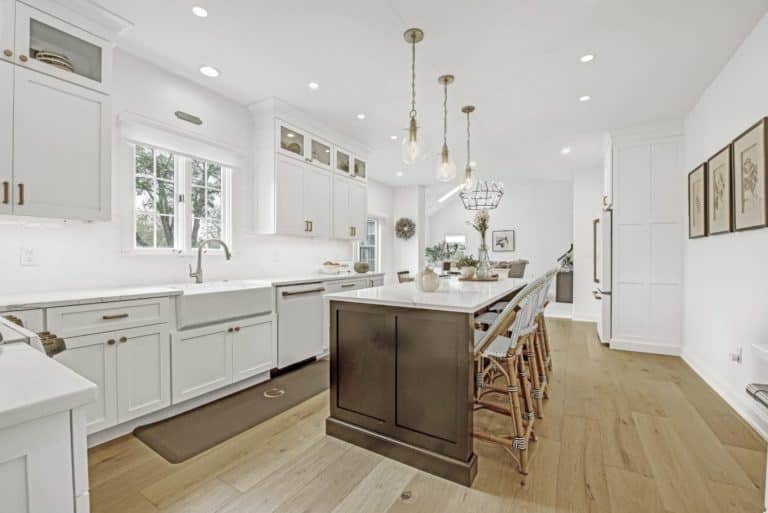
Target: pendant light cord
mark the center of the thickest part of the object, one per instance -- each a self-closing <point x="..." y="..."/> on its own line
<point x="445" y="113"/>
<point x="413" y="76"/>
<point x="468" y="139"/>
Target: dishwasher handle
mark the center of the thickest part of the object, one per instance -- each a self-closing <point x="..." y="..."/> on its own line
<point x="302" y="292"/>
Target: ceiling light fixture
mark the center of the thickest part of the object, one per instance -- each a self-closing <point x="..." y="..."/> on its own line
<point x="313" y="85"/>
<point x="566" y="150"/>
<point x="587" y="58"/>
<point x="200" y="12"/>
<point x="399" y="173"/>
<point x="393" y="137"/>
<point x="361" y="116"/>
<point x="209" y="71"/>
<point x="585" y="98"/>
<point x="446" y="168"/>
<point x="478" y="194"/>
<point x="413" y="143"/>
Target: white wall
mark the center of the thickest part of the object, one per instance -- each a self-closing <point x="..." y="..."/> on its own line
<point x="380" y="205"/>
<point x="587" y="198"/>
<point x="540" y="212"/>
<point x="410" y="202"/>
<point x="725" y="293"/>
<point x="77" y="255"/>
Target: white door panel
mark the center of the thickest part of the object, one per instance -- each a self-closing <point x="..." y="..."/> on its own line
<point x="6" y="131"/>
<point x="202" y="361"/>
<point x="317" y="201"/>
<point x="253" y="348"/>
<point x="143" y="371"/>
<point x="289" y="197"/>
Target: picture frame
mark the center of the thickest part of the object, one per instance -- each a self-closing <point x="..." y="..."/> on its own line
<point x="697" y="202"/>
<point x="720" y="192"/>
<point x="503" y="241"/>
<point x="750" y="180"/>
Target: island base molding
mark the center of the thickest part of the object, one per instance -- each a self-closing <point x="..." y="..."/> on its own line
<point x="461" y="472"/>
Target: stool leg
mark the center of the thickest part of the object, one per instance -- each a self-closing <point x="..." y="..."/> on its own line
<point x="519" y="438"/>
<point x="533" y="372"/>
<point x="547" y="354"/>
<point x="525" y="385"/>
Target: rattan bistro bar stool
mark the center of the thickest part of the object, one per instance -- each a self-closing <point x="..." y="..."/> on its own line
<point x="541" y="323"/>
<point x="500" y="358"/>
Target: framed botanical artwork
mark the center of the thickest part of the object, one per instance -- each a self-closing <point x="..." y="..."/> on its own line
<point x="503" y="240"/>
<point x="750" y="186"/>
<point x="719" y="204"/>
<point x="697" y="202"/>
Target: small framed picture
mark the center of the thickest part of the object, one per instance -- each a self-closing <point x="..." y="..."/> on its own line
<point x="719" y="188"/>
<point x="749" y="178"/>
<point x="697" y="202"/>
<point x="503" y="240"/>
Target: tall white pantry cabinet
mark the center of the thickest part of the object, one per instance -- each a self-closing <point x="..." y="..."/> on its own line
<point x="55" y="121"/>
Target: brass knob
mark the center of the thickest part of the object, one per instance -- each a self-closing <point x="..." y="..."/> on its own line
<point x="237" y="328"/>
<point x="23" y="58"/>
<point x="111" y="342"/>
<point x="230" y="330"/>
<point x="123" y="340"/>
<point x="7" y="53"/>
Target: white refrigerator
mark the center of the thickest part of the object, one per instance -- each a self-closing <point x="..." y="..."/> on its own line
<point x="602" y="272"/>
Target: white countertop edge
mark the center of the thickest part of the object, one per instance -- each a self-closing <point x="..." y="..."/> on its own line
<point x="41" y="385"/>
<point x="32" y="300"/>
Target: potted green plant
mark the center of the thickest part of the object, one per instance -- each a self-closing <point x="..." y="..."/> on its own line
<point x="435" y="253"/>
<point x="467" y="266"/>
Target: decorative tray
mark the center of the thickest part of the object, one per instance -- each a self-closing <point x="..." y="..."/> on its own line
<point x="494" y="277"/>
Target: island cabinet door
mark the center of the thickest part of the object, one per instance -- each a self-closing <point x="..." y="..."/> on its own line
<point x="363" y="366"/>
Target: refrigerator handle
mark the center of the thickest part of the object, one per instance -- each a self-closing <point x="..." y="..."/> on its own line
<point x="595" y="224"/>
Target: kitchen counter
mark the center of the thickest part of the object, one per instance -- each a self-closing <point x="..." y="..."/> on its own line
<point x="452" y="296"/>
<point x="318" y="277"/>
<point x="35" y="386"/>
<point x="402" y="371"/>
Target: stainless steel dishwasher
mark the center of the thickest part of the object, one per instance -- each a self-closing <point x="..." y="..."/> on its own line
<point x="299" y="322"/>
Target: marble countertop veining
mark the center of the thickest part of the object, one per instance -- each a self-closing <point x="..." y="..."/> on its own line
<point x="452" y="296"/>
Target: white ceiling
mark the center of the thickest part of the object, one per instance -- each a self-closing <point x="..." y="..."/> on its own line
<point x="517" y="60"/>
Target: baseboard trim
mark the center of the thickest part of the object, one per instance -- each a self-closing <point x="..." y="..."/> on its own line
<point x="740" y="402"/>
<point x="645" y="347"/>
<point x="105" y="435"/>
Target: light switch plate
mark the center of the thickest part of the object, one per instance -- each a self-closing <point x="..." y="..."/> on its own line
<point x="28" y="257"/>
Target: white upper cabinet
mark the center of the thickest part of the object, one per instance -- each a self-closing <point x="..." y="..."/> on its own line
<point x="6" y="29"/>
<point x="344" y="162"/>
<point x="6" y="138"/>
<point x="317" y="202"/>
<point x="358" y="210"/>
<point x="61" y="149"/>
<point x="49" y="45"/>
<point x="302" y="145"/>
<point x="360" y="169"/>
<point x="289" y="191"/>
<point x="349" y="209"/>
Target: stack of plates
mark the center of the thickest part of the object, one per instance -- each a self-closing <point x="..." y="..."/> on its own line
<point x="55" y="59"/>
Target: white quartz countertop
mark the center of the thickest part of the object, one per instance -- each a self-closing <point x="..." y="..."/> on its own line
<point x="452" y="296"/>
<point x="32" y="385"/>
<point x="48" y="299"/>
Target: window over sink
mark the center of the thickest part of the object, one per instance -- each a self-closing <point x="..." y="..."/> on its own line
<point x="179" y="201"/>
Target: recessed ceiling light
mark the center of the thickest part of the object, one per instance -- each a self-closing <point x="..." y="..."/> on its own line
<point x="566" y="150"/>
<point x="209" y="71"/>
<point x="585" y="98"/>
<point x="313" y="85"/>
<point x="399" y="173"/>
<point x="200" y="12"/>
<point x="393" y="137"/>
<point x="587" y="58"/>
<point x="361" y="116"/>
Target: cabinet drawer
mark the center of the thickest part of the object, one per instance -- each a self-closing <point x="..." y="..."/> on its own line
<point x="68" y="321"/>
<point x="32" y="319"/>
<point x="346" y="285"/>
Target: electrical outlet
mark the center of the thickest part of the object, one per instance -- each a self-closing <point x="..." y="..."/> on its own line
<point x="736" y="355"/>
<point x="28" y="257"/>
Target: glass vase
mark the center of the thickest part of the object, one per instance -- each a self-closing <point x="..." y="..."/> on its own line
<point x="484" y="262"/>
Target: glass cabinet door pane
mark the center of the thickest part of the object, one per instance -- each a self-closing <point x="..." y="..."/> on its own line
<point x="321" y="153"/>
<point x="342" y="161"/>
<point x="64" y="51"/>
<point x="291" y="141"/>
<point x="359" y="168"/>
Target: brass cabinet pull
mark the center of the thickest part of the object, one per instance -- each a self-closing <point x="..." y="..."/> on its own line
<point x="347" y="285"/>
<point x="21" y="194"/>
<point x="230" y="330"/>
<point x="111" y="342"/>
<point x="306" y="225"/>
<point x="7" y="52"/>
<point x="302" y="292"/>
<point x="311" y="226"/>
<point x="6" y="193"/>
<point x="114" y="317"/>
<point x="123" y="340"/>
<point x="237" y="328"/>
<point x="23" y="58"/>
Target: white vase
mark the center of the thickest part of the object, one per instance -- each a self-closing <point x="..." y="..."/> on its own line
<point x="468" y="271"/>
<point x="427" y="280"/>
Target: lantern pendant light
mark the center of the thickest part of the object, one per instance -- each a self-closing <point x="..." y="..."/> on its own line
<point x="446" y="168"/>
<point x="469" y="179"/>
<point x="413" y="144"/>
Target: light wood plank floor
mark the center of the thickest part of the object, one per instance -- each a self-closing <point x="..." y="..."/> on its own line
<point x="623" y="432"/>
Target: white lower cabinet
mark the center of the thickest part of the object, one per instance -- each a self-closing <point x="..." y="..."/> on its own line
<point x="131" y="369"/>
<point x="212" y="357"/>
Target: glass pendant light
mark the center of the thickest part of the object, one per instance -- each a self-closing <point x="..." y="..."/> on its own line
<point x="469" y="178"/>
<point x="413" y="144"/>
<point x="446" y="168"/>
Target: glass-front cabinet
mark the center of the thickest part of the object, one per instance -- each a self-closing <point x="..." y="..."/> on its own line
<point x="292" y="142"/>
<point x="300" y="144"/>
<point x="343" y="162"/>
<point x="6" y="29"/>
<point x="321" y="152"/>
<point x="49" y="45"/>
<point x="360" y="169"/>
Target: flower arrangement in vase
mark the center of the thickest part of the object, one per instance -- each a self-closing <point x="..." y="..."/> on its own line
<point x="480" y="224"/>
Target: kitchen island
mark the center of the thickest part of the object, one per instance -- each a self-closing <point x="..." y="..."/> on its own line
<point x="402" y="371"/>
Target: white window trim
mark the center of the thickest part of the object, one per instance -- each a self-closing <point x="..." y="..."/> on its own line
<point x="182" y="181"/>
<point x="358" y="243"/>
